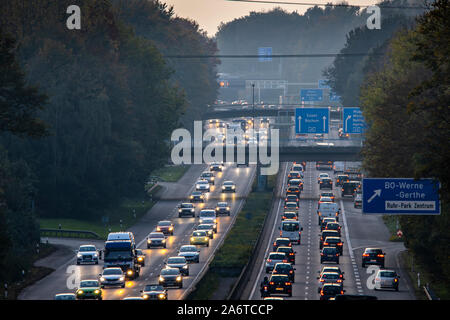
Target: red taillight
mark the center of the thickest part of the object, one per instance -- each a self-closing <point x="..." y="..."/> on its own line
<point x="288" y="283"/>
<point x="269" y="260"/>
<point x="365" y="255"/>
<point x="339" y="244"/>
<point x="325" y="243"/>
<point x="271" y="282"/>
<point x="339" y="280"/>
<point x="291" y="254"/>
<point x="285" y="261"/>
<point x="265" y="287"/>
<point x="395" y="280"/>
<point x="321" y="280"/>
<point x="380" y="255"/>
<point x="321" y="292"/>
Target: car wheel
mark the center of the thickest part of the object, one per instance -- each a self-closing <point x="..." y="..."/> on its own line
<point x="207" y="244"/>
<point x="165" y="246"/>
<point x="363" y="265"/>
<point x="290" y="294"/>
<point x="78" y="263"/>
<point x="396" y="288"/>
<point x="123" y="286"/>
<point x="181" y="286"/>
<point x="179" y="215"/>
<point x="337" y="261"/>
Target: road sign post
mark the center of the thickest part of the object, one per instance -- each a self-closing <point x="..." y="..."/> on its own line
<point x="311" y="120"/>
<point x="396" y="196"/>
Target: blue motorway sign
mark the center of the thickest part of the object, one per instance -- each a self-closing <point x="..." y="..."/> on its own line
<point x="311" y="95"/>
<point x="400" y="196"/>
<point x="353" y="120"/>
<point x="265" y="54"/>
<point x="311" y="120"/>
<point x="323" y="84"/>
<point x="334" y="97"/>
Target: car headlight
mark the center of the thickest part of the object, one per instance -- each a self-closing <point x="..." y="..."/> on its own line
<point x="161" y="278"/>
<point x="228" y="208"/>
<point x="170" y="228"/>
<point x="161" y="296"/>
<point x="95" y="255"/>
<point x="102" y="279"/>
<point x="192" y="239"/>
<point x="164" y="240"/>
<point x="97" y="291"/>
<point x="206" y="239"/>
<point x="145" y="296"/>
<point x="79" y="255"/>
<point x="140" y="258"/>
<point x="192" y="197"/>
<point x="233" y="187"/>
<point x="80" y="292"/>
<point x="185" y="267"/>
<point x="129" y="272"/>
<point x="178" y="278"/>
<point x="121" y="278"/>
<point x="158" y="229"/>
<point x="149" y="241"/>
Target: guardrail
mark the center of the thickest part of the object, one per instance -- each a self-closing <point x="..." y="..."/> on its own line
<point x="64" y="233"/>
<point x="430" y="293"/>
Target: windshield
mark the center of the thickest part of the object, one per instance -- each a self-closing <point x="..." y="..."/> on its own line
<point x="187" y="205"/>
<point x="207" y="214"/>
<point x="87" y="249"/>
<point x="156" y="236"/>
<point x="387" y="274"/>
<point x="290" y="226"/>
<point x="118" y="255"/>
<point x="164" y="223"/>
<point x="153" y="288"/>
<point x="108" y="272"/>
<point x="188" y="249"/>
<point x="277" y="256"/>
<point x="199" y="234"/>
<point x="176" y="260"/>
<point x="88" y="284"/>
<point x="330" y="276"/>
<point x="170" y="272"/>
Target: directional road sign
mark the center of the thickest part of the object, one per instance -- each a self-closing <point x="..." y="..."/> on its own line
<point x="334" y="97"/>
<point x="353" y="120"/>
<point x="311" y="120"/>
<point x="311" y="95"/>
<point x="400" y="196"/>
<point x="265" y="54"/>
<point x="323" y="84"/>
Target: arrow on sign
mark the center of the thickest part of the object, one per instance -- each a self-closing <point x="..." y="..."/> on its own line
<point x="299" y="123"/>
<point x="346" y="125"/>
<point x="376" y="193"/>
<point x="324" y="118"/>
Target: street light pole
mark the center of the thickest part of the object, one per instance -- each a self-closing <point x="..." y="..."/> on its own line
<point x="253" y="103"/>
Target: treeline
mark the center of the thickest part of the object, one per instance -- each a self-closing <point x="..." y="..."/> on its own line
<point x="404" y="93"/>
<point x="106" y="102"/>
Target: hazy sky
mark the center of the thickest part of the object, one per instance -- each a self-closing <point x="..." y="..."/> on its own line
<point x="209" y="13"/>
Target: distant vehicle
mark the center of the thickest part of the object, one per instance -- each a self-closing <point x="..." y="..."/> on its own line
<point x="202" y="185"/>
<point x="341" y="179"/>
<point x="180" y="263"/>
<point x="229" y="186"/>
<point x="199" y="238"/>
<point x="120" y="251"/>
<point x="186" y="209"/>
<point x="324" y="165"/>
<point x="297" y="167"/>
<point x="386" y="279"/>
<point x="191" y="253"/>
<point x="208" y="228"/>
<point x="325" y="199"/>
<point x="334" y="242"/>
<point x="65" y="296"/>
<point x="333" y="226"/>
<point x="349" y="188"/>
<point x="207" y="214"/>
<point x="165" y="227"/>
<point x="89" y="289"/>
<point x="295" y="175"/>
<point x="286" y="269"/>
<point x="280" y="284"/>
<point x="343" y="135"/>
<point x="156" y="239"/>
<point x="87" y="254"/>
<point x="291" y="229"/>
<point x="208" y="176"/>
<point x="326" y="183"/>
<point x="338" y="166"/>
<point x="140" y="257"/>
<point x="154" y="292"/>
<point x="274" y="258"/>
<point x="295" y="183"/>
<point x="328" y="194"/>
<point x="357" y="203"/>
<point x="329" y="277"/>
<point x="291" y="206"/>
<point x="291" y="198"/>
<point x="329" y="254"/>
<point x="325" y="222"/>
<point x="284" y="242"/>
<point x="171" y="277"/>
<point x="197" y="196"/>
<point x="112" y="277"/>
<point x="289" y="215"/>
<point x="335" y="269"/>
<point x="290" y="253"/>
<point x="293" y="190"/>
<point x="325" y="234"/>
<point x="322" y="175"/>
<point x="328" y="210"/>
<point x="223" y="208"/>
<point x="373" y="256"/>
<point x="216" y="167"/>
<point x="330" y="290"/>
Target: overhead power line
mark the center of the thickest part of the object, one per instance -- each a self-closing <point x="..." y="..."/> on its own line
<point x="330" y="4"/>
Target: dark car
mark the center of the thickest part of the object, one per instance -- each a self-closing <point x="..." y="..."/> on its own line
<point x="280" y="284"/>
<point x="294" y="175"/>
<point x="325" y="183"/>
<point x="325" y="234"/>
<point x="329" y="254"/>
<point x="171" y="277"/>
<point x="154" y="292"/>
<point x="324" y="165"/>
<point x="330" y="290"/>
<point x="165" y="227"/>
<point x="333" y="226"/>
<point x="186" y="209"/>
<point x="335" y="269"/>
<point x="289" y="215"/>
<point x="281" y="242"/>
<point x="349" y="188"/>
<point x="197" y="196"/>
<point x="215" y="167"/>
<point x="140" y="257"/>
<point x="291" y="198"/>
<point x="180" y="263"/>
<point x="325" y="221"/>
<point x="341" y="178"/>
<point x="286" y="269"/>
<point x="334" y="242"/>
<point x="329" y="277"/>
<point x="295" y="183"/>
<point x="373" y="256"/>
<point x="156" y="239"/>
<point x="223" y="208"/>
<point x="290" y="253"/>
<point x="293" y="190"/>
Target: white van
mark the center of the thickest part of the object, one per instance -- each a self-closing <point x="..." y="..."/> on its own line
<point x="291" y="229"/>
<point x="328" y="210"/>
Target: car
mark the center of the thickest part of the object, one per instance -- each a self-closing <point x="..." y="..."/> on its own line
<point x="186" y="209"/>
<point x="340" y="179"/>
<point x="324" y="165"/>
<point x="334" y="242"/>
<point x="293" y="190"/>
<point x="349" y="188"/>
<point x="295" y="175"/>
<point x="333" y="226"/>
<point x="273" y="258"/>
<point x="326" y="183"/>
<point x="322" y="175"/>
<point x="171" y="277"/>
<point x="229" y="186"/>
<point x="208" y="176"/>
<point x="156" y="239"/>
<point x="223" y="208"/>
<point x="197" y="196"/>
<point x="328" y="210"/>
<point x="373" y="256"/>
<point x="357" y="203"/>
<point x="284" y="242"/>
<point x="325" y="221"/>
<point x="87" y="254"/>
<point x="328" y="254"/>
<point x="216" y="167"/>
<point x="319" y="136"/>
<point x="89" y="289"/>
<point x="154" y="292"/>
<point x="291" y="229"/>
<point x="279" y="284"/>
<point x="297" y="167"/>
<point x="202" y="185"/>
<point x="199" y="237"/>
<point x="207" y="215"/>
<point x="295" y="183"/>
<point x="325" y="199"/>
<point x="290" y="253"/>
<point x="285" y="268"/>
<point x="140" y="257"/>
<point x="112" y="277"/>
<point x="328" y="194"/>
<point x="65" y="296"/>
<point x="342" y="134"/>
<point x="330" y="290"/>
<point x="165" y="227"/>
<point x="291" y="206"/>
<point x="329" y="277"/>
<point x="325" y="234"/>
<point x="291" y="198"/>
<point x="190" y="253"/>
<point x="387" y="279"/>
<point x="208" y="228"/>
<point x="334" y="269"/>
<point x="180" y="263"/>
<point x="289" y="215"/>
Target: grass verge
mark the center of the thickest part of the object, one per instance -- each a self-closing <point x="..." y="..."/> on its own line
<point x="237" y="247"/>
<point x="170" y="173"/>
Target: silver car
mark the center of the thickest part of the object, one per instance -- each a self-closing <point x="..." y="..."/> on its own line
<point x="179" y="263"/>
<point x="202" y="185"/>
<point x="87" y="254"/>
<point x="112" y="277"/>
<point x="191" y="253"/>
<point x="386" y="279"/>
<point x="273" y="259"/>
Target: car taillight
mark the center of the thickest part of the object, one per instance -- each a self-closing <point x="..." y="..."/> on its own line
<point x="271" y="282"/>
<point x="285" y="260"/>
<point x="288" y="283"/>
<point x="265" y="287"/>
<point x="339" y="244"/>
<point x="321" y="292"/>
<point x="395" y="280"/>
<point x="377" y="279"/>
<point x="342" y="292"/>
<point x="321" y="254"/>
<point x="291" y="254"/>
<point x="269" y="260"/>
<point x="339" y="280"/>
<point x="365" y="255"/>
<point x="325" y="243"/>
<point x="322" y="280"/>
<point x="337" y="254"/>
<point x="380" y="255"/>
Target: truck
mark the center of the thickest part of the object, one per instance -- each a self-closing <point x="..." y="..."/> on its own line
<point x="120" y="251"/>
